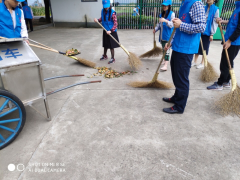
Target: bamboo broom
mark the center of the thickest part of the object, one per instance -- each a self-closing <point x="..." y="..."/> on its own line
<point x="133" y="60"/>
<point x="155" y="83"/>
<point x="81" y="60"/>
<point x="156" y="51"/>
<point x="208" y="74"/>
<point x="230" y="103"/>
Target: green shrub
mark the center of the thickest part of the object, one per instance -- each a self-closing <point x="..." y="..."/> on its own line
<point x="38" y="11"/>
<point x="133" y="21"/>
<point x="227" y="14"/>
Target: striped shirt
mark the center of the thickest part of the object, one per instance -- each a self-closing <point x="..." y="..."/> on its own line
<point x="197" y="14"/>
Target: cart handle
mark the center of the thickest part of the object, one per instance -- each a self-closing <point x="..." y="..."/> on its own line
<point x="76" y="75"/>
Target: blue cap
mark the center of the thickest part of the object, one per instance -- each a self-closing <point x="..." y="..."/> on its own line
<point x="17" y="0"/>
<point x="139" y="7"/>
<point x="167" y="2"/>
<point x="106" y="3"/>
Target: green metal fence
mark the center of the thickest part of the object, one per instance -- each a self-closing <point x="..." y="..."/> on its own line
<point x="127" y="19"/>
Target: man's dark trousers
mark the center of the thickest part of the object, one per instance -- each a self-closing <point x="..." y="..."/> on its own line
<point x="180" y="67"/>
<point x="224" y="68"/>
<point x="30" y="23"/>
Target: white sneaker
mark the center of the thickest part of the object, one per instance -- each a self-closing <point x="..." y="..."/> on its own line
<point x="193" y="64"/>
<point x="200" y="66"/>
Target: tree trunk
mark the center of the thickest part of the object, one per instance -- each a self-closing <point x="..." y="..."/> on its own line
<point x="47" y="9"/>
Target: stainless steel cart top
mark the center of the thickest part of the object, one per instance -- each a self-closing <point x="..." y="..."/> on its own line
<point x="13" y="54"/>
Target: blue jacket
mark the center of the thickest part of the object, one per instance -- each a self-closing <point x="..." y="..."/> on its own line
<point x="184" y="42"/>
<point x="27" y="12"/>
<point x="232" y="25"/>
<point x="108" y="25"/>
<point x="211" y="15"/>
<point x="6" y="24"/>
<point x="167" y="31"/>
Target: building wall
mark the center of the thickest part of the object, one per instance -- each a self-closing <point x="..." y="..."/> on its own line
<point x="72" y="13"/>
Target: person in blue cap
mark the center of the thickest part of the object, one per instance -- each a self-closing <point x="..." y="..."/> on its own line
<point x="232" y="44"/>
<point x="136" y="11"/>
<point x="12" y="23"/>
<point x="190" y="24"/>
<point x="109" y="22"/>
<point x="212" y="13"/>
<point x="28" y="14"/>
<point x="166" y="27"/>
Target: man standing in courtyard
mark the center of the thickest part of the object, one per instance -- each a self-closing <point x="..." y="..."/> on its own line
<point x="190" y="24"/>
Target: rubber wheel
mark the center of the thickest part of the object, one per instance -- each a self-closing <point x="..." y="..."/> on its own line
<point x="14" y="116"/>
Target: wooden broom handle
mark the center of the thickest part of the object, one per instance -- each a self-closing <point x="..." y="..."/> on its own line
<point x="40" y="44"/>
<point x="154" y="23"/>
<point x="169" y="41"/>
<point x="109" y="34"/>
<point x="226" y="52"/>
<point x="43" y="48"/>
<point x="3" y="37"/>
<point x="201" y="44"/>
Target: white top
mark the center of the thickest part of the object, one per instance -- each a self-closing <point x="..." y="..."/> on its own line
<point x="24" y="32"/>
<point x="214" y="24"/>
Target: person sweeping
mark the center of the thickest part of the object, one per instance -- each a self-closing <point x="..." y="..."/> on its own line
<point x="211" y="13"/>
<point x="109" y="22"/>
<point x="232" y="44"/>
<point x="166" y="27"/>
<point x="190" y="24"/>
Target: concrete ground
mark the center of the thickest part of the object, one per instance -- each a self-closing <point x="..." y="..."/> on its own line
<point x="112" y="131"/>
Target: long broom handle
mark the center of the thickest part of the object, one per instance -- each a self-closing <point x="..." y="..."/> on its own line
<point x="169" y="41"/>
<point x="53" y="50"/>
<point x="109" y="34"/>
<point x="154" y="24"/>
<point x="41" y="44"/>
<point x="3" y="37"/>
<point x="203" y="52"/>
<point x="114" y="39"/>
<point x="201" y="44"/>
<point x="226" y="52"/>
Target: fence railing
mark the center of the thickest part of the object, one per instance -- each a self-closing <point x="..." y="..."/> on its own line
<point x="139" y="14"/>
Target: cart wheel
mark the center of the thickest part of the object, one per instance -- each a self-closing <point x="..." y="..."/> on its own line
<point x="12" y="117"/>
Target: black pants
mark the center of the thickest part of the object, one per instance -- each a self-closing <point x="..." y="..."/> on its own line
<point x="180" y="67"/>
<point x="232" y="53"/>
<point x="29" y="21"/>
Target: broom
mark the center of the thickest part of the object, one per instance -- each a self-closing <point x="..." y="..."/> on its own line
<point x="208" y="74"/>
<point x="230" y="103"/>
<point x="155" y="83"/>
<point x="156" y="51"/>
<point x="133" y="60"/>
<point x="81" y="60"/>
<point x="50" y="47"/>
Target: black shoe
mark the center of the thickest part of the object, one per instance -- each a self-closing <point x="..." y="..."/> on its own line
<point x="171" y="110"/>
<point x="168" y="100"/>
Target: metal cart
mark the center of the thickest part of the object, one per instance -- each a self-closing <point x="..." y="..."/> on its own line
<point x="21" y="84"/>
